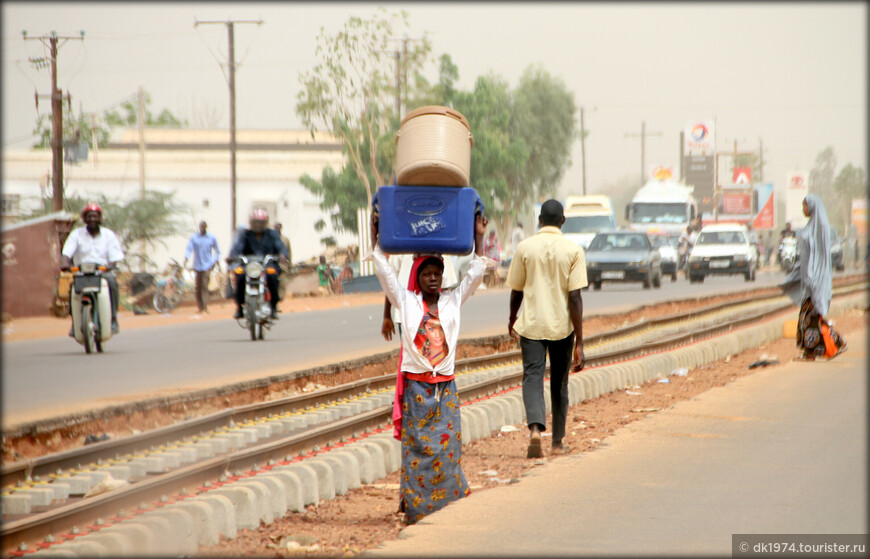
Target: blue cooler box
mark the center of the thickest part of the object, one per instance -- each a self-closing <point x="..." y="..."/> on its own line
<point x="426" y="218"/>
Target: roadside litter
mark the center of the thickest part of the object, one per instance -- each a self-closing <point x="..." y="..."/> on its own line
<point x="681" y="372"/>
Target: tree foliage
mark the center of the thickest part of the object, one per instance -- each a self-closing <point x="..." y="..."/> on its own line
<point x="351" y="93"/>
<point x="837" y="190"/>
<point x="88" y="127"/>
<point x="140" y="225"/>
<point x="522" y="137"/>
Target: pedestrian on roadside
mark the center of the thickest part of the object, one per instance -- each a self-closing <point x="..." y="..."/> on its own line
<point x="810" y="284"/>
<point x="517" y="236"/>
<point x="545" y="278"/>
<point x="426" y="409"/>
<point x="206" y="255"/>
<point x="284" y="279"/>
<point x="325" y="277"/>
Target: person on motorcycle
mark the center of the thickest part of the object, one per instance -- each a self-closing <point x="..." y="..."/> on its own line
<point x="686" y="242"/>
<point x="787" y="232"/>
<point x="259" y="240"/>
<point x="96" y="244"/>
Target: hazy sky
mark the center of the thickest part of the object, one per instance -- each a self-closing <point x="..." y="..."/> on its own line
<point x="791" y="75"/>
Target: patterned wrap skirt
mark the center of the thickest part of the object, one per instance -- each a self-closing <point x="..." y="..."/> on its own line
<point x="814" y="337"/>
<point x="431" y="475"/>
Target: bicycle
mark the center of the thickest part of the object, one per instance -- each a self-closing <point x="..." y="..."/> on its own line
<point x="170" y="288"/>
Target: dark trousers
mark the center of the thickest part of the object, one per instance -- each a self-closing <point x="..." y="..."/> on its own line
<point x="113" y="293"/>
<point x="201" y="288"/>
<point x="271" y="283"/>
<point x="534" y="365"/>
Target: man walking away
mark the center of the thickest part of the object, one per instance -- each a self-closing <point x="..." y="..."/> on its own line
<point x="547" y="273"/>
<point x="285" y="266"/>
<point x="206" y="255"/>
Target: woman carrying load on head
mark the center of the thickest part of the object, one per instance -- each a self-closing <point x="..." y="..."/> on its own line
<point x="426" y="409"/>
<point x="815" y="333"/>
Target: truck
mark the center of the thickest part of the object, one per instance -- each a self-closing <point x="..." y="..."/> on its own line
<point x="663" y="206"/>
<point x="586" y="216"/>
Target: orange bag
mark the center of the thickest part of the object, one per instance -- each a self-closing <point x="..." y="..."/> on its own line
<point x="831" y="348"/>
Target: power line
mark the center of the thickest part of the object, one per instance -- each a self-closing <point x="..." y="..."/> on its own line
<point x="232" y="84"/>
<point x="56" y="97"/>
<point x="643" y="134"/>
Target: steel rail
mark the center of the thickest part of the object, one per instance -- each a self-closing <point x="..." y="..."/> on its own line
<point x="24" y="470"/>
<point x="259" y="457"/>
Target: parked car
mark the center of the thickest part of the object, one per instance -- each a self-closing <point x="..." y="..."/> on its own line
<point x="723" y="249"/>
<point x="837" y="260"/>
<point x="668" y="247"/>
<point x="623" y="256"/>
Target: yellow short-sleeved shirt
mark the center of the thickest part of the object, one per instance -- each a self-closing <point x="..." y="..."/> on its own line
<point x="545" y="268"/>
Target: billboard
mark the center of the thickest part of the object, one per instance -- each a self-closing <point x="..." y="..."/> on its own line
<point x="797" y="188"/>
<point x="699" y="172"/>
<point x="859" y="215"/>
<point x="765" y="219"/>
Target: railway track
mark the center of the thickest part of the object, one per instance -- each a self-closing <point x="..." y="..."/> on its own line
<point x="168" y="464"/>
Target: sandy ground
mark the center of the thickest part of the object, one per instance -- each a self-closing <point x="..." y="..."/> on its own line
<point x="364" y="518"/>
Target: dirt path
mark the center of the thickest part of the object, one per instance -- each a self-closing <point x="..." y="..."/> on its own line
<point x="364" y="518"/>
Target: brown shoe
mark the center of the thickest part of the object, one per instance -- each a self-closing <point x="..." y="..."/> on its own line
<point x="559" y="449"/>
<point x="534" y="450"/>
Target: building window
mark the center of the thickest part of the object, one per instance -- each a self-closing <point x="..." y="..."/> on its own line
<point x="11" y="204"/>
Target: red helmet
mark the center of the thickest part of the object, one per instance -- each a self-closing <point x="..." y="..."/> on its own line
<point x="259" y="214"/>
<point x="92" y="207"/>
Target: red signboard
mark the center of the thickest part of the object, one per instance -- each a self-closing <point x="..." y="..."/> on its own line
<point x="736" y="203"/>
<point x="742" y="175"/>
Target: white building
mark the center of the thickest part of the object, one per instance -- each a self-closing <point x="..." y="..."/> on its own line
<point x="195" y="164"/>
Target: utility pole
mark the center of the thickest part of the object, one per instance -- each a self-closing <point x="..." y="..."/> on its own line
<point x="402" y="75"/>
<point x="760" y="161"/>
<point x="643" y="134"/>
<point x="232" y="83"/>
<point x="141" y="143"/>
<point x="56" y="96"/>
<point x="583" y="145"/>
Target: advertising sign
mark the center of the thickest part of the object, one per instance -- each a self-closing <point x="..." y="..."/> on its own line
<point x="699" y="172"/>
<point x="739" y="204"/>
<point x="765" y="219"/>
<point x="860" y="215"/>
<point x="742" y="175"/>
<point x="699" y="138"/>
<point x="797" y="188"/>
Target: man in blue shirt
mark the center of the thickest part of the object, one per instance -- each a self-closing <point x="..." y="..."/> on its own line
<point x="206" y="255"/>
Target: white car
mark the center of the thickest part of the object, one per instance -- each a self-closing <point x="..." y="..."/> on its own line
<point x="723" y="248"/>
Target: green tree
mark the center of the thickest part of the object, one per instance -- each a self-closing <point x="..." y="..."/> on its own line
<point x="822" y="175"/>
<point x="351" y="94"/>
<point x="88" y="127"/>
<point x="849" y="184"/>
<point x="141" y="224"/>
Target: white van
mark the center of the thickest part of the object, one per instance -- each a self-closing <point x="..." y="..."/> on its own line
<point x="586" y="216"/>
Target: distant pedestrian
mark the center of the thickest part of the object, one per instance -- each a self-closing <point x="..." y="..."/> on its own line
<point x="492" y="246"/>
<point x="284" y="279"/>
<point x="325" y="277"/>
<point x="813" y="276"/>
<point x="206" y="255"/>
<point x="517" y="236"/>
<point x="545" y="278"/>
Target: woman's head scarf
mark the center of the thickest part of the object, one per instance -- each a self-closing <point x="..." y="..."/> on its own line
<point x="814" y="244"/>
<point x="419" y="263"/>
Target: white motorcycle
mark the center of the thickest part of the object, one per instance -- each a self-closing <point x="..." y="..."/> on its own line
<point x="257" y="310"/>
<point x="91" y="306"/>
<point x="788" y="253"/>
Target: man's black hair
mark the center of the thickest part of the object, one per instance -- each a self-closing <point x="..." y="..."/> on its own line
<point x="552" y="213"/>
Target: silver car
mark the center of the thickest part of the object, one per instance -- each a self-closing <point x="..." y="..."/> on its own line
<point x="623" y="256"/>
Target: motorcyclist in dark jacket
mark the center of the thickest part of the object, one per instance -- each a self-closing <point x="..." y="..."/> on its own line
<point x="258" y="240"/>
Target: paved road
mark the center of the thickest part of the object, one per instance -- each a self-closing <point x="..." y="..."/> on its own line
<point x="45" y="378"/>
<point x="782" y="451"/>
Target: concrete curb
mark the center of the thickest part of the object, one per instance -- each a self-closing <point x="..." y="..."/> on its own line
<point x="179" y="528"/>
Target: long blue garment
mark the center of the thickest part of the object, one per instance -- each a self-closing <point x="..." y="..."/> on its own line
<point x="431" y="448"/>
<point x="814" y="269"/>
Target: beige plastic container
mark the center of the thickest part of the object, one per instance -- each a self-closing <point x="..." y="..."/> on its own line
<point x="433" y="148"/>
